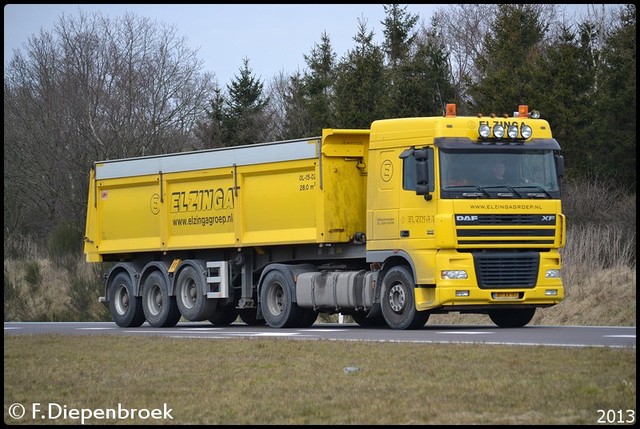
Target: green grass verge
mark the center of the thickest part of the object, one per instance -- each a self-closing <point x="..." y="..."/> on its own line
<point x="285" y="381"/>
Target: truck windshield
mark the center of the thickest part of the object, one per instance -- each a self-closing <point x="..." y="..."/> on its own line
<point x="521" y="173"/>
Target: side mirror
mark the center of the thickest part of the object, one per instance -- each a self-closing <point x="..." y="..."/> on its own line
<point x="422" y="172"/>
<point x="560" y="165"/>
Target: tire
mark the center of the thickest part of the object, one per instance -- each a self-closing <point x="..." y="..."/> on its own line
<point x="224" y="316"/>
<point x="512" y="317"/>
<point x="398" y="300"/>
<point x="191" y="295"/>
<point x="250" y="317"/>
<point x="361" y="319"/>
<point x="309" y="317"/>
<point x="160" y="309"/>
<point x="125" y="308"/>
<point x="276" y="302"/>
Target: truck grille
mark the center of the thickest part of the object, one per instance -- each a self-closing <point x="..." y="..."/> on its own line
<point x="520" y="229"/>
<point x="506" y="269"/>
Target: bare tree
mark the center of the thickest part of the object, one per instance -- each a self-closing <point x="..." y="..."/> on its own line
<point x="94" y="88"/>
<point x="463" y="28"/>
<point x="276" y="92"/>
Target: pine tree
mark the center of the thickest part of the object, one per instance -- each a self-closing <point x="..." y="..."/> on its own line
<point x="361" y="83"/>
<point x="318" y="85"/>
<point x="510" y="48"/>
<point x="243" y="121"/>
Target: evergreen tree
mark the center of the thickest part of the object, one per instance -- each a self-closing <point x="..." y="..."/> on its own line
<point x="614" y="123"/>
<point x="243" y="121"/>
<point x="361" y="83"/>
<point x="565" y="78"/>
<point x="297" y="121"/>
<point x="308" y="98"/>
<point x="423" y="81"/>
<point x="512" y="45"/>
<point x="209" y="132"/>
<point x="399" y="33"/>
<point x="318" y="84"/>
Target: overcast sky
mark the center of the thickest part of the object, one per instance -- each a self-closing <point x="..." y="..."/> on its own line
<point x="273" y="37"/>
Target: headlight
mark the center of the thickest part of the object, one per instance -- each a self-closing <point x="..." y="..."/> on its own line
<point x="498" y="131"/>
<point x="484" y="131"/>
<point x="552" y="274"/>
<point x="525" y="130"/>
<point x="453" y="274"/>
<point x="513" y="131"/>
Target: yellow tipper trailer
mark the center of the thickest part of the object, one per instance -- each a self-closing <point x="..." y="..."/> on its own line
<point x="291" y="192"/>
<point x="411" y="217"/>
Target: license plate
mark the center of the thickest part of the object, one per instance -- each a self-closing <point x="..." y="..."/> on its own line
<point x="506" y="295"/>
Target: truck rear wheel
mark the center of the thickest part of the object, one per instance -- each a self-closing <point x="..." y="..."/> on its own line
<point x="125" y="308"/>
<point x="398" y="300"/>
<point x="160" y="309"/>
<point x="191" y="295"/>
<point x="512" y="317"/>
<point x="276" y="302"/>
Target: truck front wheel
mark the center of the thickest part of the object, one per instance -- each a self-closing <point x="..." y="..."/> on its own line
<point x="125" y="307"/>
<point x="398" y="300"/>
<point x="276" y="302"/>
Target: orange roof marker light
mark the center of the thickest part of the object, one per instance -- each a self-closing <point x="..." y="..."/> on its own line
<point x="523" y="111"/>
<point x="451" y="110"/>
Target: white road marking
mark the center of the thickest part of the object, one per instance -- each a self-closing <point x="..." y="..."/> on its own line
<point x="94" y="329"/>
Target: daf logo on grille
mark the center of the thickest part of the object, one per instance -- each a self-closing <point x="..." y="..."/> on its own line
<point x="548" y="218"/>
<point x="466" y="218"/>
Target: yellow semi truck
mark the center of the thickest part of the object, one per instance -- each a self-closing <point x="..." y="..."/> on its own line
<point x="412" y="217"/>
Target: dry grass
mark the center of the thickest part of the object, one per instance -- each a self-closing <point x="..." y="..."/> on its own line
<point x="284" y="381"/>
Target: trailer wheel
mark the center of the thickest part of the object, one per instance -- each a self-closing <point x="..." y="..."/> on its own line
<point x="191" y="295"/>
<point x="224" y="316"/>
<point x="512" y="317"/>
<point x="276" y="302"/>
<point x="160" y="309"/>
<point x="398" y="301"/>
<point x="125" y="307"/>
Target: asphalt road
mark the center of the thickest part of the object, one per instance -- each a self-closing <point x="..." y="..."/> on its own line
<point x="561" y="336"/>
